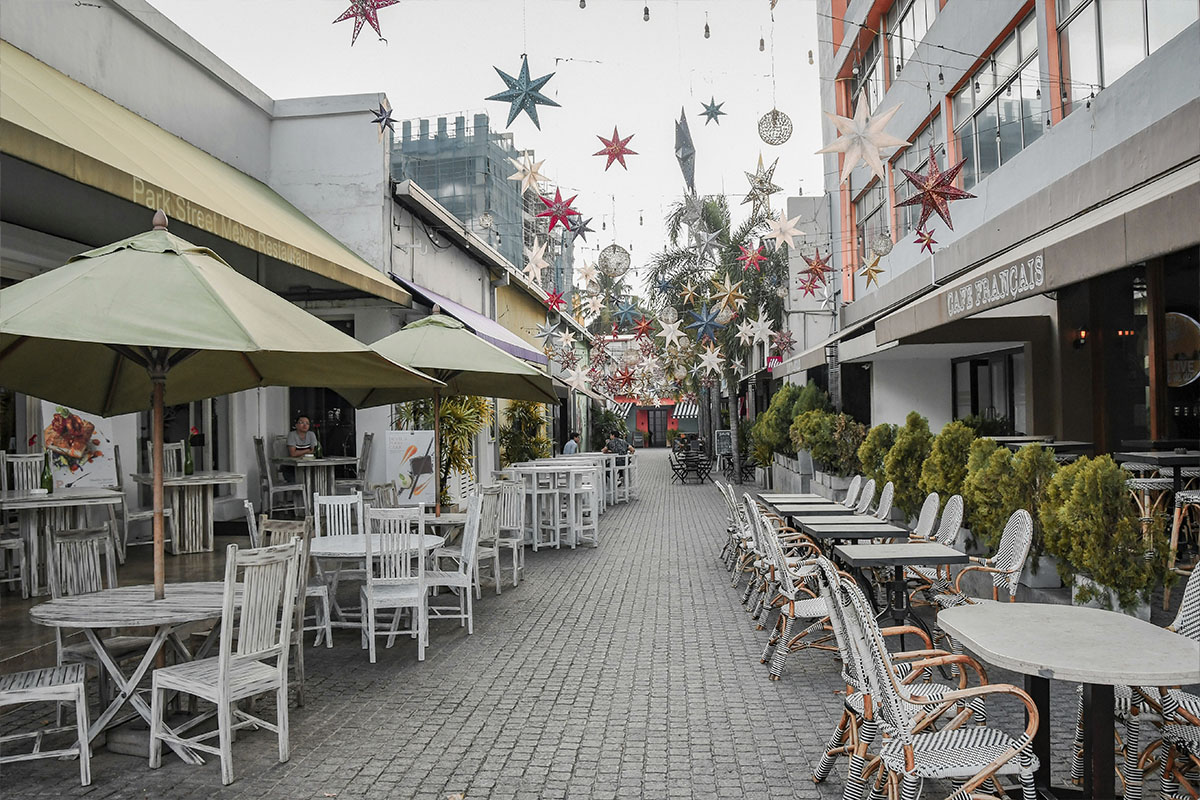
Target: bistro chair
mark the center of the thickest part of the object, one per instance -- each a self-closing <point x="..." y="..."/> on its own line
<point x="866" y="497"/>
<point x="65" y="683"/>
<point x="282" y="531"/>
<point x="396" y="576"/>
<point x="1187" y="506"/>
<point x="242" y="669"/>
<point x="937" y="580"/>
<point x="271" y="484"/>
<point x="1004" y="567"/>
<point x="926" y="519"/>
<point x="459" y="576"/>
<point x="852" y="491"/>
<point x="359" y="482"/>
<point x="129" y="516"/>
<point x="884" y="509"/>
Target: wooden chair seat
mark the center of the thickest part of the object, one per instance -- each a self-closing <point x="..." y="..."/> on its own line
<point x="201" y="678"/>
<point x="64" y="683"/>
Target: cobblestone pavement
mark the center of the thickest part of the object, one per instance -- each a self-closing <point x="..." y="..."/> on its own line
<point x="626" y="671"/>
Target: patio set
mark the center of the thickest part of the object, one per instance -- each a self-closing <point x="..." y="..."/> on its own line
<point x="838" y="576"/>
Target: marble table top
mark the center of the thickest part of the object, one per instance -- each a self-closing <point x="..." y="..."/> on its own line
<point x="894" y="555"/>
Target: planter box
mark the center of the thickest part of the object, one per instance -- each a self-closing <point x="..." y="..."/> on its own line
<point x="1046" y="576"/>
<point x="962" y="544"/>
<point x="1107" y="600"/>
<point x="839" y="485"/>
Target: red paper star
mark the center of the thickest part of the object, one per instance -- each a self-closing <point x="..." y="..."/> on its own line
<point x="555" y="300"/>
<point x="809" y="285"/>
<point x="643" y="328"/>
<point x="751" y="258"/>
<point x="784" y="342"/>
<point x="926" y="240"/>
<point x="364" y="11"/>
<point x="615" y="149"/>
<point x="935" y="190"/>
<point x="818" y="267"/>
<point x="559" y="210"/>
<point x="623" y="378"/>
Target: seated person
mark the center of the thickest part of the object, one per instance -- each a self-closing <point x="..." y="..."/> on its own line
<point x="617" y="446"/>
<point x="301" y="441"/>
<point x="572" y="445"/>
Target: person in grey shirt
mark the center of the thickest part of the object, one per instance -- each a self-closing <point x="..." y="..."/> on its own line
<point x="572" y="445"/>
<point x="301" y="441"/>
<point x="618" y="445"/>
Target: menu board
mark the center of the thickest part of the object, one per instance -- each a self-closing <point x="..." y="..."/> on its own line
<point x="724" y="443"/>
<point x="80" y="446"/>
<point x="410" y="466"/>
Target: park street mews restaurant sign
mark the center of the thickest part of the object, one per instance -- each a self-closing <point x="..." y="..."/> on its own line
<point x="998" y="286"/>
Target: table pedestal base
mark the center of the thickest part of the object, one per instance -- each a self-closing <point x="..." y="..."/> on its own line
<point x="1099" y="761"/>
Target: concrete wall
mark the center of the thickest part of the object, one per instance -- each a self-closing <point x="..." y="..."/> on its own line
<point x="900" y="386"/>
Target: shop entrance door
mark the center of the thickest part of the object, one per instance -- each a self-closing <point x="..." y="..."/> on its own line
<point x="656" y="425"/>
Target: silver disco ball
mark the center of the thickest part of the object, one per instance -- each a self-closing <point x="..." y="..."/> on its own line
<point x="669" y="315"/>
<point x="725" y="315"/>
<point x="881" y="245"/>
<point x="775" y="127"/>
<point x="614" y="261"/>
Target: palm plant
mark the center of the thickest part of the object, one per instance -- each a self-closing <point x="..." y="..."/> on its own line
<point x="521" y="439"/>
<point x="463" y="418"/>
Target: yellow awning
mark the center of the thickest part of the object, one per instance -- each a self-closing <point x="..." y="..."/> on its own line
<point x="63" y="126"/>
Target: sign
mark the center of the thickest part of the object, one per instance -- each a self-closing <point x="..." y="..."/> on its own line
<point x="1183" y="349"/>
<point x="410" y="466"/>
<point x="723" y="445"/>
<point x="834" y="374"/>
<point x="998" y="286"/>
<point x="773" y="362"/>
<point x="80" y="445"/>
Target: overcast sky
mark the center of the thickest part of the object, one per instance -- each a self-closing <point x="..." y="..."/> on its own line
<point x="611" y="68"/>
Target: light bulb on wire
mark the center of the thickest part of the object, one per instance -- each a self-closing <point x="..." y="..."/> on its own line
<point x="707" y="33"/>
<point x="762" y="44"/>
<point x="583" y="3"/>
<point x="646" y="14"/>
<point x="810" y="58"/>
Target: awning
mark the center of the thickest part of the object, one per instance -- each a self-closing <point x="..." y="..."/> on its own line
<point x="60" y="125"/>
<point x="487" y="329"/>
<point x="686" y="409"/>
<point x="620" y="406"/>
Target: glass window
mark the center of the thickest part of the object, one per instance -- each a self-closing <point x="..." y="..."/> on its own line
<point x="962" y="389"/>
<point x="869" y="217"/>
<point x="964" y="103"/>
<point x="966" y="150"/>
<point x="916" y="158"/>
<point x="1031" y="104"/>
<point x="1165" y="19"/>
<point x="1122" y="38"/>
<point x="1027" y="34"/>
<point x="986" y="141"/>
<point x="1079" y="58"/>
<point x="1008" y="58"/>
<point x="1065" y="7"/>
<point x="1009" y="106"/>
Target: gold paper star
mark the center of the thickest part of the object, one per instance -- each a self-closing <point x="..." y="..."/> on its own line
<point x="688" y="293"/>
<point x="728" y="295"/>
<point x="871" y="272"/>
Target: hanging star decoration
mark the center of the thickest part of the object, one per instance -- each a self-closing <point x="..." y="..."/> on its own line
<point x="745" y="332"/>
<point x="670" y="333"/>
<point x="809" y="283"/>
<point x="784" y="230"/>
<point x="554" y="299"/>
<point x="522" y="93"/>
<point x="712" y="110"/>
<point x="688" y="293"/>
<point x="935" y="190"/>
<point x="577" y="379"/>
<point x="762" y="327"/>
<point x="528" y="172"/>
<point x="546" y="331"/>
<point x="616" y="149"/>
<point x="728" y="295"/>
<point x="568" y="358"/>
<point x="783" y="343"/>
<point x="828" y="299"/>
<point x="761" y="187"/>
<point x="705" y="323"/>
<point x="587" y="273"/>
<point x="558" y="210"/>
<point x="536" y="263"/>
<point x="364" y="11"/>
<point x="594" y="304"/>
<point x="383" y="118"/>
<point x="926" y="240"/>
<point x="863" y="139"/>
<point x="706" y="243"/>
<point x="624" y="313"/>
<point x="685" y="152"/>
<point x="872" y="272"/>
<point x="711" y="359"/>
<point x="566" y="339"/>
<point x="664" y="286"/>
<point x="818" y="265"/>
<point x="751" y="258"/>
<point x="623" y="379"/>
<point x="579" y="228"/>
<point x="643" y="328"/>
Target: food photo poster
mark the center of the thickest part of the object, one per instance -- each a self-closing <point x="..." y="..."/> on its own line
<point x="80" y="447"/>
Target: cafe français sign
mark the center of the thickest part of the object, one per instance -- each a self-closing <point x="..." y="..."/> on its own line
<point x="998" y="286"/>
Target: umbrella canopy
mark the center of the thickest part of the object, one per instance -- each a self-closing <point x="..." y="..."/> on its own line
<point x="155" y="319"/>
<point x="443" y="348"/>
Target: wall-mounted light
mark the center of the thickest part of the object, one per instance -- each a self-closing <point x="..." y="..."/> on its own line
<point x="1081" y="336"/>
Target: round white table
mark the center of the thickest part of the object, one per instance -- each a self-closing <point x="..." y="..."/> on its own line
<point x="1100" y="649"/>
<point x="355" y="545"/>
<point x="129" y="606"/>
<point x="317" y="474"/>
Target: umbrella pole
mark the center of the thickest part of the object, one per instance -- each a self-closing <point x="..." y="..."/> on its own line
<point x="159" y="382"/>
<point x="437" y="453"/>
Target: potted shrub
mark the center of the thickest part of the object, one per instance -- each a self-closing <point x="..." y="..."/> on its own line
<point x="989" y="470"/>
<point x="946" y="468"/>
<point x="1092" y="527"/>
<point x="874" y="450"/>
<point x="903" y="463"/>
<point x="521" y="438"/>
<point x="1033" y="467"/>
<point x="848" y="436"/>
<point x="813" y="431"/>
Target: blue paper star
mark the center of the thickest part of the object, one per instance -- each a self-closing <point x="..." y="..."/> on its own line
<point x="383" y="118"/>
<point x="579" y="227"/>
<point x="665" y="286"/>
<point x="624" y="313"/>
<point x="706" y="324"/>
<point x="712" y="110"/>
<point x="523" y="94"/>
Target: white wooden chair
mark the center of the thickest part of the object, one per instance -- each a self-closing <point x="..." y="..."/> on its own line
<point x="26" y="470"/>
<point x="271" y="485"/>
<point x="510" y="524"/>
<point x="172" y="458"/>
<point x="273" y="532"/>
<point x="384" y="495"/>
<point x="481" y="513"/>
<point x="129" y="516"/>
<point x="241" y="670"/>
<point x="62" y="684"/>
<point x="338" y="515"/>
<point x="12" y="561"/>
<point x="359" y="481"/>
<point x="396" y="576"/>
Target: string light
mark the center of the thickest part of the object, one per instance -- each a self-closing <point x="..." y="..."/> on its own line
<point x="762" y="45"/>
<point x="583" y="3"/>
<point x="707" y="33"/>
<point x="810" y="58"/>
<point x="646" y="14"/>
<point x="941" y="77"/>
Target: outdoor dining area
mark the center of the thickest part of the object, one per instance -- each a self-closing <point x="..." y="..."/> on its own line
<point x="322" y="553"/>
<point x="914" y="624"/>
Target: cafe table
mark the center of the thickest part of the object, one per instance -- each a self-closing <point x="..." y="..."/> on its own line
<point x="135" y="606"/>
<point x="192" y="506"/>
<point x="1161" y="459"/>
<point x="854" y="529"/>
<point x="62" y="508"/>
<point x="897" y="557"/>
<point x="798" y="500"/>
<point x="1097" y="648"/>
<point x="317" y="474"/>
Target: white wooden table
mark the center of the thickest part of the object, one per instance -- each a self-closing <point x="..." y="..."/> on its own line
<point x="317" y="474"/>
<point x="560" y="476"/>
<point x="354" y="547"/>
<point x="192" y="506"/>
<point x="1099" y="649"/>
<point x="128" y="606"/>
<point x="62" y="508"/>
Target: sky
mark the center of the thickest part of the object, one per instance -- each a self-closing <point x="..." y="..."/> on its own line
<point x="610" y="68"/>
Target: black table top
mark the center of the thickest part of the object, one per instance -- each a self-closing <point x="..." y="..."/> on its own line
<point x="855" y="532"/>
<point x="814" y="510"/>
<point x="1162" y="458"/>
<point x="894" y="555"/>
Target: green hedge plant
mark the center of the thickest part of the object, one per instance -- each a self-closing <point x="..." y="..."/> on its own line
<point x="987" y="490"/>
<point x="874" y="450"/>
<point x="903" y="463"/>
<point x="1033" y="469"/>
<point x="946" y="468"/>
<point x="833" y="440"/>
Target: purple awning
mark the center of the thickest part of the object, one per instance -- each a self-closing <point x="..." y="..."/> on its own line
<point x="487" y="329"/>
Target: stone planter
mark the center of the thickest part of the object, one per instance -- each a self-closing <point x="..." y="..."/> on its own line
<point x="962" y="543"/>
<point x="1046" y="576"/>
<point x="1107" y="599"/>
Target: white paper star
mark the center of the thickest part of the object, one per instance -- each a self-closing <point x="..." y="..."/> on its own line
<point x="671" y="333"/>
<point x="527" y="172"/>
<point x="649" y="362"/>
<point x="745" y="332"/>
<point x="587" y="273"/>
<point x="546" y="331"/>
<point x="594" y="304"/>
<point x="537" y="262"/>
<point x="762" y="327"/>
<point x="863" y="139"/>
<point x="784" y="230"/>
<point x="566" y="339"/>
<point x="657" y="401"/>
<point x="711" y="359"/>
<point x="761" y="187"/>
<point x="577" y="379"/>
<point x="828" y="299"/>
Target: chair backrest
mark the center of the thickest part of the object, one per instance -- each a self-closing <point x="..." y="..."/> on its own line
<point x="252" y="524"/>
<point x="399" y="558"/>
<point x="884" y="509"/>
<point x="75" y="564"/>
<point x="829" y="583"/>
<point x="364" y="456"/>
<point x="267" y="579"/>
<point x="510" y="511"/>
<point x="852" y="492"/>
<point x="867" y="497"/>
<point x="26" y="470"/>
<point x="1187" y="619"/>
<point x="1012" y="551"/>
<point x="927" y="517"/>
<point x="172" y="458"/>
<point x="338" y="515"/>
<point x="384" y="495"/>
<point x="279" y="448"/>
<point x="481" y="521"/>
<point x="952" y="517"/>
<point x="265" y="470"/>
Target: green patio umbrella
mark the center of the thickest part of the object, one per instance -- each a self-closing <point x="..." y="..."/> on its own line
<point x="154" y="319"/>
<point x="443" y="348"/>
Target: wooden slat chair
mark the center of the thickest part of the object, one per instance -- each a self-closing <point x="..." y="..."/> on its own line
<point x="172" y="458"/>
<point x="510" y="525"/>
<point x="242" y="670"/>
<point x="384" y="495"/>
<point x="26" y="469"/>
<point x="274" y="532"/>
<point x="65" y="683"/>
<point x="128" y="516"/>
<point x="396" y="576"/>
<point x="481" y="515"/>
<point x="271" y="484"/>
<point x="12" y="560"/>
<point x="359" y="482"/>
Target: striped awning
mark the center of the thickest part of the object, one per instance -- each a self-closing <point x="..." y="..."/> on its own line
<point x="686" y="410"/>
<point x="620" y="406"/>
